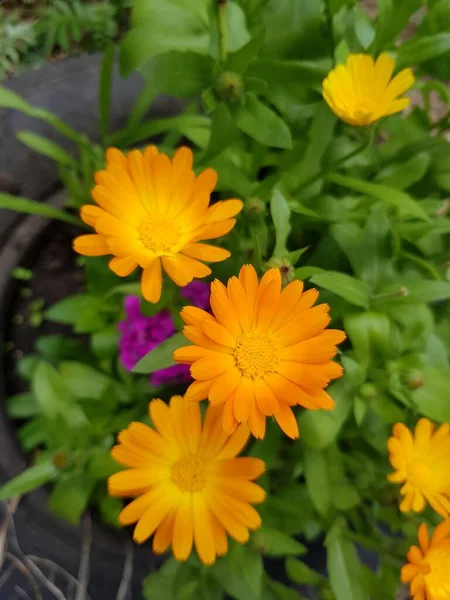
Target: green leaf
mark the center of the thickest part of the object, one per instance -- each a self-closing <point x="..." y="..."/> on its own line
<point x="317" y="479"/>
<point x="161" y="356"/>
<point x="31" y="207"/>
<point x="403" y="175"/>
<point x="404" y="203"/>
<point x="104" y="96"/>
<point x="9" y="99"/>
<point x="22" y="406"/>
<point x="349" y="288"/>
<point x="422" y="49"/>
<point x="307" y="272"/>
<point x="392" y="18"/>
<point x="240" y="574"/>
<point x="239" y="61"/>
<point x="431" y="399"/>
<point x="54" y="398"/>
<point x="369" y="333"/>
<point x="301" y="573"/>
<point x="320" y="428"/>
<point x="262" y="124"/>
<point x="30" y="479"/>
<point x="426" y="291"/>
<point x="82" y="311"/>
<point x="289" y="75"/>
<point x="223" y="131"/>
<point x="84" y="381"/>
<point x="179" y="73"/>
<point x="70" y="496"/>
<point x="281" y="213"/>
<point x="346" y="497"/>
<point x="165" y="27"/>
<point x="46" y="147"/>
<point x="344" y="570"/>
<point x="105" y="343"/>
<point x="276" y="543"/>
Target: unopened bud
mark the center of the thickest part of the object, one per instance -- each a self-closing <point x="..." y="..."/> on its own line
<point x="255" y="206"/>
<point x="368" y="390"/>
<point x="59" y="459"/>
<point x="415" y="379"/>
<point x="286" y="269"/>
<point x="230" y="87"/>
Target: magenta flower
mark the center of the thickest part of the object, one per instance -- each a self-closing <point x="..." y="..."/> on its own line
<point x="140" y="334"/>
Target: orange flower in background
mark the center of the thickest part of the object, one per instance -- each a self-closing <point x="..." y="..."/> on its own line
<point x="189" y="484"/>
<point x="262" y="351"/>
<point x="153" y="213"/>
<point x="422" y="463"/>
<point x="428" y="571"/>
<point x="361" y="91"/>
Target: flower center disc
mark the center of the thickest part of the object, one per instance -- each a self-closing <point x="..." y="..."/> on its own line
<point x="188" y="474"/>
<point x="158" y="234"/>
<point x="256" y="354"/>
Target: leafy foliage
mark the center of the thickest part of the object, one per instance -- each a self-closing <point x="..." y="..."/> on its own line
<point x="16" y="38"/>
<point x="367" y="223"/>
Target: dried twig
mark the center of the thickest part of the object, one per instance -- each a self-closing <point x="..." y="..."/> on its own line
<point x="11" y="508"/>
<point x="124" y="587"/>
<point x="22" y="567"/>
<point x="50" y="565"/>
<point x="83" y="571"/>
<point x="20" y="592"/>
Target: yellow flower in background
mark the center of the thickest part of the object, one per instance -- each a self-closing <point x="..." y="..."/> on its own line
<point x="153" y="213"/>
<point x="189" y="484"/>
<point x="362" y="91"/>
<point x="422" y="463"/>
<point x="428" y="571"/>
<point x="262" y="351"/>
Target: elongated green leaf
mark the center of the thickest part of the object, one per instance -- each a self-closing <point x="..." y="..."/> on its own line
<point x="161" y="356"/>
<point x="301" y="573"/>
<point x="320" y="428"/>
<point x="427" y="291"/>
<point x="30" y="479"/>
<point x="351" y="289"/>
<point x="70" y="496"/>
<point x="9" y="99"/>
<point x="281" y="213"/>
<point x="344" y="570"/>
<point x="262" y="124"/>
<point x="185" y="124"/>
<point x="47" y="148"/>
<point x="104" y="96"/>
<point x="404" y="203"/>
<point x="403" y="175"/>
<point x="369" y="333"/>
<point x="276" y="543"/>
<point x="223" y="131"/>
<point x="318" y="481"/>
<point x="84" y="381"/>
<point x="179" y="73"/>
<point x="431" y="399"/>
<point x="239" y="61"/>
<point x="393" y="16"/>
<point x="22" y="406"/>
<point x="422" y="49"/>
<point x="31" y="207"/>
<point x="166" y="27"/>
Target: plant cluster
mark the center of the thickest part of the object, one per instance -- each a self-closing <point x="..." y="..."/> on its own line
<point x="308" y="170"/>
<point x="32" y="33"/>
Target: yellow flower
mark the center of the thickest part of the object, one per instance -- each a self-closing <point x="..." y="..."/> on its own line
<point x="189" y="485"/>
<point x="361" y="91"/>
<point x="154" y="211"/>
<point x="262" y="351"/>
<point x="428" y="571"/>
<point x="422" y="462"/>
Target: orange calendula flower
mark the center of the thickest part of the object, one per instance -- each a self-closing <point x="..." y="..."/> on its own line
<point x="153" y="212"/>
<point x="361" y="91"/>
<point x="428" y="571"/>
<point x="262" y="351"/>
<point x="189" y="484"/>
<point x="422" y="463"/>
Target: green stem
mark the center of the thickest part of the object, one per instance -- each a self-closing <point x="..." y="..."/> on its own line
<point x="422" y="263"/>
<point x="370" y="135"/>
<point x="223" y="30"/>
<point x="329" y="21"/>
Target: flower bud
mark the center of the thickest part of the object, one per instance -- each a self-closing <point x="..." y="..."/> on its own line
<point x="230" y="87"/>
<point x="286" y="269"/>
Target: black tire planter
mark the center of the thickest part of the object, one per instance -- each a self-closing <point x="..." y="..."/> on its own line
<point x="39" y="531"/>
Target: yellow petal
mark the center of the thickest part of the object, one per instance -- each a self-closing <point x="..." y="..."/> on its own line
<point x="153" y="517"/>
<point x="151" y="281"/>
<point x="224" y="386"/>
<point x="183" y="530"/>
<point x="203" y="531"/>
<point x="182" y="269"/>
<point x="287" y="421"/>
<point x="123" y="265"/>
<point x="212" y="366"/>
<point x="206" y="253"/>
<point x="245" y="395"/>
<point x="91" y="245"/>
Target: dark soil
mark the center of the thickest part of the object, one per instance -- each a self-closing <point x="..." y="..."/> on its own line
<point x="55" y="276"/>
